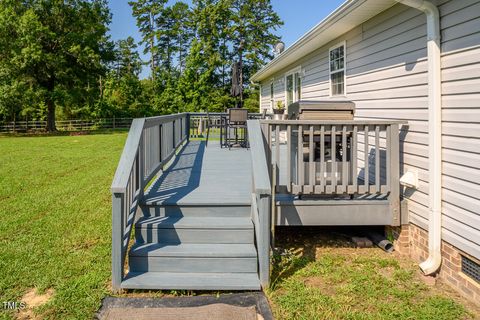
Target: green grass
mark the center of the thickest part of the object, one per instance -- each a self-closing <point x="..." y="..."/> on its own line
<point x="55" y="233"/>
<point x="55" y="213"/>
<point x="331" y="281"/>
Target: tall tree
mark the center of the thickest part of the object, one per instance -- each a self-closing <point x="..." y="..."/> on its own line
<point x="146" y="12"/>
<point x="128" y="62"/>
<point x="55" y="49"/>
<point x="252" y="31"/>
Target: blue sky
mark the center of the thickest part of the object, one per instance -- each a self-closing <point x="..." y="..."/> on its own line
<point x="299" y="16"/>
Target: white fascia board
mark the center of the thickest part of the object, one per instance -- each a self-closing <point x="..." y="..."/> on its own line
<point x="346" y="17"/>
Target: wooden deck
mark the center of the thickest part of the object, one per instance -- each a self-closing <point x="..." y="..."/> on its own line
<point x="203" y="175"/>
<point x="205" y="222"/>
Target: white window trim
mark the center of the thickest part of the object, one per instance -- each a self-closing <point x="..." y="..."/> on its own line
<point x="260" y="107"/>
<point x="295" y="93"/>
<point x="338" y="45"/>
<point x="271" y="93"/>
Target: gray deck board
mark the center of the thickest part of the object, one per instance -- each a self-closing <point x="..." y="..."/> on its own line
<point x="192" y="281"/>
<point x="170" y="222"/>
<point x="204" y="175"/>
<point x="194" y="250"/>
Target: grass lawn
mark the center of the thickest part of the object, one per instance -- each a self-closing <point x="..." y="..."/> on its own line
<point x="321" y="276"/>
<point x="55" y="228"/>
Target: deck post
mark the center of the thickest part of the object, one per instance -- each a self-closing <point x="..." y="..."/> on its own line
<point x="187" y="126"/>
<point x="394" y="166"/>
<point x="264" y="245"/>
<point x="117" y="241"/>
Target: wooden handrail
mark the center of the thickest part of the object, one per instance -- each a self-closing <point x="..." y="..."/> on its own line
<point x="127" y="158"/>
<point x="335" y="122"/>
<point x="150" y="144"/>
<point x="260" y="169"/>
<point x="261" y="199"/>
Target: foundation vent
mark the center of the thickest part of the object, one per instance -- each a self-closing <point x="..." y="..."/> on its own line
<point x="471" y="268"/>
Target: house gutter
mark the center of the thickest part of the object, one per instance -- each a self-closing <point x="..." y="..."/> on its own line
<point x="434" y="260"/>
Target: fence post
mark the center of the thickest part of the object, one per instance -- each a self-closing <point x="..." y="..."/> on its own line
<point x="264" y="217"/>
<point x="113" y="122"/>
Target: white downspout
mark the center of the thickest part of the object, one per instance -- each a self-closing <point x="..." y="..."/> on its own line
<point x="434" y="260"/>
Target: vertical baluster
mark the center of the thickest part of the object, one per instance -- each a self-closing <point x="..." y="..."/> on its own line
<point x="322" y="159"/>
<point x="160" y="143"/>
<point x="333" y="139"/>
<point x="388" y="157"/>
<point x="300" y="166"/>
<point x="137" y="172"/>
<point x="277" y="154"/>
<point x="172" y="136"/>
<point x="311" y="163"/>
<point x="344" y="160"/>
<point x="367" y="169"/>
<point x="377" y="159"/>
<point x="354" y="157"/>
<point x="289" y="159"/>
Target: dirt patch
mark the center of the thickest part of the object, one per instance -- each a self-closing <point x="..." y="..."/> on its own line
<point x="320" y="283"/>
<point x="32" y="300"/>
<point x="387" y="272"/>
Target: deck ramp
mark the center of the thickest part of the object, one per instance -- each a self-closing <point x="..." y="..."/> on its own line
<point x="195" y="230"/>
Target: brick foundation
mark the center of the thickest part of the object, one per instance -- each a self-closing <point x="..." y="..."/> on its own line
<point x="412" y="241"/>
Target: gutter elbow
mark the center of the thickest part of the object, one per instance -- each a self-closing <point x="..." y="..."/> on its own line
<point x="432" y="13"/>
<point x="431" y="265"/>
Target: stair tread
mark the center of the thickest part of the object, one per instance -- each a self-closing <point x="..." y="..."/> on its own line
<point x="191" y="281"/>
<point x="203" y="200"/>
<point x="169" y="222"/>
<point x="191" y="250"/>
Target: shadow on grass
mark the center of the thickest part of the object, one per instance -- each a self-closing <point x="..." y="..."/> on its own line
<point x="296" y="247"/>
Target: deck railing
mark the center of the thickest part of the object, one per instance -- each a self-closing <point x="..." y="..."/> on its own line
<point x="354" y="159"/>
<point x="261" y="199"/>
<point x="200" y="120"/>
<point x="150" y="144"/>
<point x="333" y="157"/>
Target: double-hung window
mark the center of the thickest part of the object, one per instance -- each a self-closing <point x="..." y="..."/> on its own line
<point x="293" y="87"/>
<point x="337" y="70"/>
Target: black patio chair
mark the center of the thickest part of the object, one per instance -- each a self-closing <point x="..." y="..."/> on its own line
<point x="236" y="121"/>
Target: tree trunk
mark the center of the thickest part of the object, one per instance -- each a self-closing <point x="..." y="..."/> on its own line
<point x="50" y="106"/>
<point x="152" y="45"/>
<point x="51" y="115"/>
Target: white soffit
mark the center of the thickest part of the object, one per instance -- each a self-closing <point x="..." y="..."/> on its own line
<point x="346" y="17"/>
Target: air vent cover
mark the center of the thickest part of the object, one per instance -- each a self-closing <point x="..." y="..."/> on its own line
<point x="471" y="268"/>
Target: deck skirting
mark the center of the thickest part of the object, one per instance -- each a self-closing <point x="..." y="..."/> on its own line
<point x="334" y="213"/>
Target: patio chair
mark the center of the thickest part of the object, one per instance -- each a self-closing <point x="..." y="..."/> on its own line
<point x="236" y="120"/>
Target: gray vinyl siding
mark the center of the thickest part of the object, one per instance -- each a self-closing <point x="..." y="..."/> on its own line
<point x="387" y="79"/>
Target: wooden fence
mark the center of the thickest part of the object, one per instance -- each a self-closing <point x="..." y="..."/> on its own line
<point x="66" y="125"/>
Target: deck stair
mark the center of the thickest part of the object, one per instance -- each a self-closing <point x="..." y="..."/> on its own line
<point x="193" y="247"/>
<point x="190" y="237"/>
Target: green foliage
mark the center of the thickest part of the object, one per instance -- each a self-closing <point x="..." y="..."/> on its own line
<point x="57" y="61"/>
<point x="52" y="53"/>
<point x="193" y="48"/>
